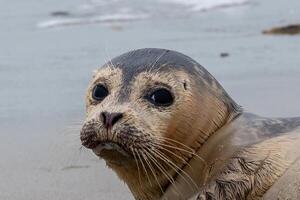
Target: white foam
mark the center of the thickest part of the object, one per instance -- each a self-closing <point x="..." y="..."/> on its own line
<point x="199" y="5"/>
<point x="90" y="20"/>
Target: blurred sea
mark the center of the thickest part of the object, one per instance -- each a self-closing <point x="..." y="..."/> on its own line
<point x="103" y="11"/>
<point x="50" y="48"/>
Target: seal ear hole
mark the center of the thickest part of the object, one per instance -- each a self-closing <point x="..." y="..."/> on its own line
<point x="161" y="97"/>
<point x="99" y="92"/>
<point x="185" y="85"/>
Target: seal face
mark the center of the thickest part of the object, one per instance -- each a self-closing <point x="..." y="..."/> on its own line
<point x="148" y="112"/>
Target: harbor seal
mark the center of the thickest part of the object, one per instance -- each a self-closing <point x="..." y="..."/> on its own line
<point x="170" y="131"/>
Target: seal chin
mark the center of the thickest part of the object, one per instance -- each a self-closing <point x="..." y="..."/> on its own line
<point x="111" y="151"/>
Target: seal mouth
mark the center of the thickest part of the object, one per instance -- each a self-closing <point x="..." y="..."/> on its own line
<point x="109" y="147"/>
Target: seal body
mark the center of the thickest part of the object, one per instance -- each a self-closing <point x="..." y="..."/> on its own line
<point x="248" y="158"/>
<point x="170" y="131"/>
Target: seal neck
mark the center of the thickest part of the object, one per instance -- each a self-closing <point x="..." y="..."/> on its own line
<point x="208" y="159"/>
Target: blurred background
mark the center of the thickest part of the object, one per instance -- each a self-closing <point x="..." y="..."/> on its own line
<point x="48" y="50"/>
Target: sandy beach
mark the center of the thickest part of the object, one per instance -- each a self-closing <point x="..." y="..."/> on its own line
<point x="44" y="72"/>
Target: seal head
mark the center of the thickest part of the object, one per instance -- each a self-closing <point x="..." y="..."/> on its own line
<point x="148" y="111"/>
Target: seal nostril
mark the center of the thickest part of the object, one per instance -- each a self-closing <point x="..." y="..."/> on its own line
<point x="116" y="117"/>
<point x="109" y="119"/>
<point x="103" y="114"/>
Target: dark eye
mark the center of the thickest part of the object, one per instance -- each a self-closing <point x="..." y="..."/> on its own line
<point x="161" y="97"/>
<point x="99" y="92"/>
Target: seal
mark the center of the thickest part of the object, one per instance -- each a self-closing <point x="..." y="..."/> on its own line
<point x="169" y="130"/>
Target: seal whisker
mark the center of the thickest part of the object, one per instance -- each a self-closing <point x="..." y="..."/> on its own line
<point x="189" y="151"/>
<point x="183" y="150"/>
<point x="170" y="145"/>
<point x="109" y="59"/>
<point x="177" y="156"/>
<point x="158" y="58"/>
<point x="152" y="171"/>
<point x="141" y="161"/>
<point x="176" y="168"/>
<point x="172" y="181"/>
<point x="175" y="141"/>
<point x="137" y="165"/>
<point x="161" y="168"/>
<point x="180" y="169"/>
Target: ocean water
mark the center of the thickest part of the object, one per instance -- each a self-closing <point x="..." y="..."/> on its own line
<point x="103" y="11"/>
<point x="47" y="58"/>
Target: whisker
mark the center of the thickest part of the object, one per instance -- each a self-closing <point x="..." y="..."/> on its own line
<point x="152" y="170"/>
<point x="109" y="58"/>
<point x="176" y="169"/>
<point x="177" y="156"/>
<point x="137" y="165"/>
<point x="160" y="167"/>
<point x="175" y="141"/>
<point x="157" y="59"/>
<point x="140" y="159"/>
<point x="183" y="150"/>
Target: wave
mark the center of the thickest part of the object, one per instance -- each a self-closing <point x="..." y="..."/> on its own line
<point x="110" y="11"/>
<point x="202" y="5"/>
<point x="90" y="20"/>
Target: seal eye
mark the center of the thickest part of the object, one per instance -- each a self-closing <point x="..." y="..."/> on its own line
<point x="99" y="92"/>
<point x="161" y="97"/>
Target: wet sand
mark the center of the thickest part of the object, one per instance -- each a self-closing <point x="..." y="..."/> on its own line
<point x="44" y="74"/>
